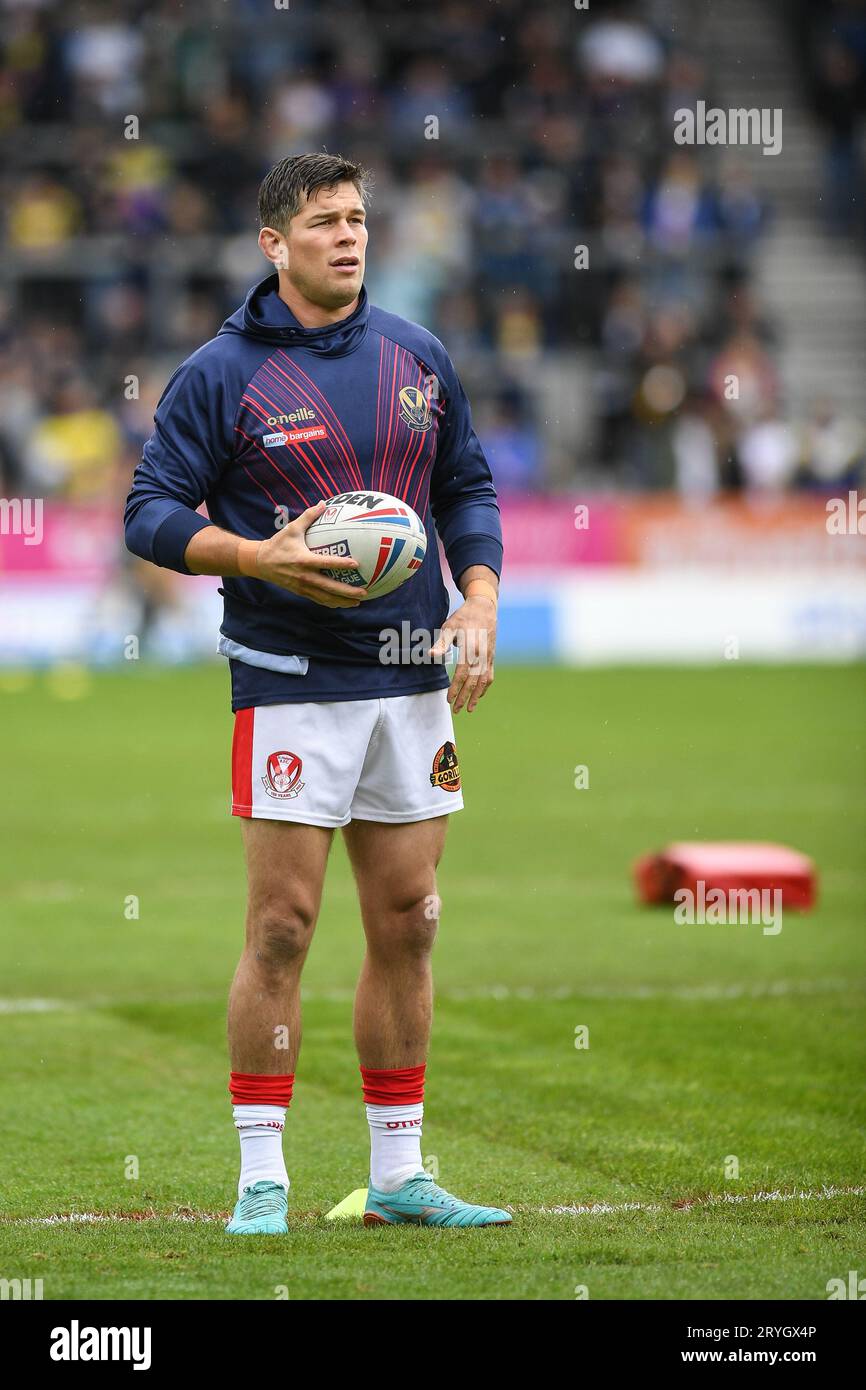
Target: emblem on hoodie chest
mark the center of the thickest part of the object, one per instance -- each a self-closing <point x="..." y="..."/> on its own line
<point x="298" y="427"/>
<point x="415" y="408"/>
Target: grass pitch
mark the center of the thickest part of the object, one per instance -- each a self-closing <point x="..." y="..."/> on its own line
<point x="713" y="1049"/>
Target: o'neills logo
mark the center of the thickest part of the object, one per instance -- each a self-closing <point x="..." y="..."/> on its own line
<point x="303" y="414"/>
<point x="446" y="769"/>
<point x="283" y="771"/>
<point x="415" y="409"/>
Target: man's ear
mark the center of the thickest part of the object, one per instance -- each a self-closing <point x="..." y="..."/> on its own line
<point x="273" y="246"/>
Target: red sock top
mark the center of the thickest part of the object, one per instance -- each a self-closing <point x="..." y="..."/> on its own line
<point x="254" y="1088"/>
<point x="393" y="1085"/>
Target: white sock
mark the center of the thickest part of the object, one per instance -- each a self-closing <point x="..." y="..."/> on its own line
<point x="395" y="1144"/>
<point x="260" y="1129"/>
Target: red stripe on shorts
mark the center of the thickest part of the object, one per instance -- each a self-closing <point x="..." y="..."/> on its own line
<point x="393" y="1085"/>
<point x="242" y="763"/>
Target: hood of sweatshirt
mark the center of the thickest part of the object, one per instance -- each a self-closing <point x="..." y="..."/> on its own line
<point x="265" y="316"/>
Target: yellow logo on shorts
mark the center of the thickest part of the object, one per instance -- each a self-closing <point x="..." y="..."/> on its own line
<point x="446" y="769"/>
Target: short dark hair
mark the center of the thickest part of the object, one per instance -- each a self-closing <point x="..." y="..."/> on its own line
<point x="288" y="185"/>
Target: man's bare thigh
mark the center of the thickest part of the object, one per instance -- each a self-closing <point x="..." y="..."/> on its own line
<point x="395" y="863"/>
<point x="286" y="864"/>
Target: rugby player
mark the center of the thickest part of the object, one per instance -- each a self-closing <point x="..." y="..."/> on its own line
<point x="308" y="391"/>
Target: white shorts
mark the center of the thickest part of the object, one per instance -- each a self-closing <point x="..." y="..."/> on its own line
<point x="326" y="763"/>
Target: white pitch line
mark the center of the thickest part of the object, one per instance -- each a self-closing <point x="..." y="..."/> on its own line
<point x="712" y="991"/>
<point x="94" y="1218"/>
<point x="711" y="1200"/>
<point x="34" y="1006"/>
<point x="824" y="1193"/>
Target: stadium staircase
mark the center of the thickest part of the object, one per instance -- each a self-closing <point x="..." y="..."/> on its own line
<point x="813" y="283"/>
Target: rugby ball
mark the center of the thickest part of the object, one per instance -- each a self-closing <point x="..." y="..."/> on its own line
<point x="382" y="533"/>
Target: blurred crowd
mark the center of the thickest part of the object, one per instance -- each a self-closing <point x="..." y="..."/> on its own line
<point x="553" y="131"/>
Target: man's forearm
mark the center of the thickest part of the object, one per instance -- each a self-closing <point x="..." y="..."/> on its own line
<point x="214" y="551"/>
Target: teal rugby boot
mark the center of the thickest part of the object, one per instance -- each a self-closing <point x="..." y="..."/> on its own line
<point x="261" y="1211"/>
<point x="419" y="1202"/>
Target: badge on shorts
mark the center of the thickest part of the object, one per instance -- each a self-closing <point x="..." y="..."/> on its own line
<point x="281" y="778"/>
<point x="446" y="769"/>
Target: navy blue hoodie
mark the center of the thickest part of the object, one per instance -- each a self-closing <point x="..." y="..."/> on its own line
<point x="269" y="417"/>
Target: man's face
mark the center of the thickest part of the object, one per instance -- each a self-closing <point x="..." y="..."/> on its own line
<point x="329" y="229"/>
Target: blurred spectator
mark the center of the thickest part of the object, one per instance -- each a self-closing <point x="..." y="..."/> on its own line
<point x="427" y="90"/>
<point x="43" y="214"/>
<point x="517" y="330"/>
<point x="680" y="210"/>
<point x="740" y="210"/>
<point x="831" y="41"/>
<point x="840" y="78"/>
<point x="833" y="448"/>
<point x="136" y="187"/>
<point x="510" y="442"/>
<point x="75" y="445"/>
<point x="303" y="110"/>
<point x="622" y="48"/>
<point x="695" y="450"/>
<point x="768" y="452"/>
<point x="104" y="61"/>
<point x="743" y="378"/>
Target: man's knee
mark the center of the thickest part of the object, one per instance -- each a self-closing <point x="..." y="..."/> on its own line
<point x="279" y="935"/>
<point x="405" y="923"/>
